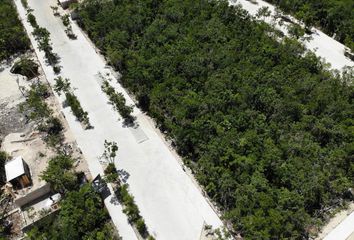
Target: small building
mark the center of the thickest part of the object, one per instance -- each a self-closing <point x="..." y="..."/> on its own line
<point x="17" y="173"/>
<point x="66" y="3"/>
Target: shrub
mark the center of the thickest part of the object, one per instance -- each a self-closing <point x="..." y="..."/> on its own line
<point x="65" y="19"/>
<point x="118" y="101"/>
<point x="54" y="126"/>
<point x="55" y="10"/>
<point x="132" y="211"/>
<point x="69" y="32"/>
<point x="140" y="225"/>
<point x="111" y="168"/>
<point x="111" y="173"/>
<point x="32" y="20"/>
<point x="61" y="85"/>
<point x="24" y="3"/>
<point x="73" y="102"/>
<point x="112" y="178"/>
<point x="56" y="69"/>
<point x="60" y="174"/>
<point x="35" y="104"/>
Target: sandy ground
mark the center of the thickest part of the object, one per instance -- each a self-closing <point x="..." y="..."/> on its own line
<point x="170" y="202"/>
<point x="34" y="152"/>
<point x="19" y="137"/>
<point x="10" y="96"/>
<point x="323" y="45"/>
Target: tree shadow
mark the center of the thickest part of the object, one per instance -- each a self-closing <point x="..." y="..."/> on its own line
<point x="114" y="200"/>
<point x="129" y="122"/>
<point x="123" y="175"/>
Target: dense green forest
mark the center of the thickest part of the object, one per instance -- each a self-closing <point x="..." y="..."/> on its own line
<point x="266" y="128"/>
<point x="82" y="216"/>
<point x="13" y="38"/>
<point x="332" y="16"/>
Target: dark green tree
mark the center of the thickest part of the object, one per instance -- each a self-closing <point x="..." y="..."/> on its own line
<point x="60" y="174"/>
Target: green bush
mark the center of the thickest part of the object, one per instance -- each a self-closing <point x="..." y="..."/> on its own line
<point x="36" y="106"/>
<point x="131" y="210"/>
<point x="24" y="3"/>
<point x="140" y="225"/>
<point x="65" y="19"/>
<point x="111" y="168"/>
<point x="61" y="85"/>
<point x="42" y="36"/>
<point x="60" y="174"/>
<point x="118" y="101"/>
<point x="73" y="102"/>
<point x="111" y="173"/>
<point x="32" y="20"/>
<point x="56" y="69"/>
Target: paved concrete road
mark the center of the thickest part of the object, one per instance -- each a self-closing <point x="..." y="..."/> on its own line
<point x="323" y="45"/>
<point x="168" y="199"/>
<point x="344" y="230"/>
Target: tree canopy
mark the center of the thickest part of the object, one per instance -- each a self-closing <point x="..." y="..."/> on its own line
<point x="82" y="216"/>
<point x="60" y="174"/>
<point x="266" y="128"/>
<point x="13" y="38"/>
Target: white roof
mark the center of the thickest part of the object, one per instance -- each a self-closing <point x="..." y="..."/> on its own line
<point x="14" y="168"/>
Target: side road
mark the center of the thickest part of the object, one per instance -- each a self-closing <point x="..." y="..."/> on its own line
<point x="171" y="204"/>
<point x="323" y="45"/>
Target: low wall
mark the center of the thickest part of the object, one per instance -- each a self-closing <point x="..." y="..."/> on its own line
<point x="44" y="221"/>
<point x="33" y="195"/>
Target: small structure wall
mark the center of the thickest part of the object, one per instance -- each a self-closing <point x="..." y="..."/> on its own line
<point x="33" y="195"/>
